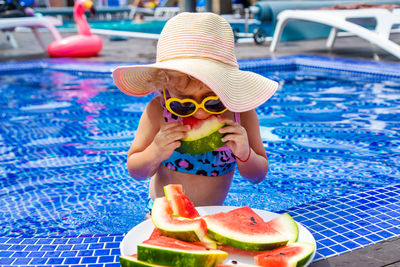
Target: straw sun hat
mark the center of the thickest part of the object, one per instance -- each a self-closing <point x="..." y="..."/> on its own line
<point x="202" y="46"/>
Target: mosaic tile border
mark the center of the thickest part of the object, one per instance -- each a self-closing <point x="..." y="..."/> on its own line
<point x="339" y="225"/>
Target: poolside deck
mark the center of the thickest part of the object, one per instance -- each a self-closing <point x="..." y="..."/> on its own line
<point x="143" y="50"/>
<point x="140" y="50"/>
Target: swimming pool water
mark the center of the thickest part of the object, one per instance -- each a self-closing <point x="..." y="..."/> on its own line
<point x="65" y="130"/>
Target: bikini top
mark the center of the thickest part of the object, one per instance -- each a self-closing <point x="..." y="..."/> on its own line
<point x="214" y="163"/>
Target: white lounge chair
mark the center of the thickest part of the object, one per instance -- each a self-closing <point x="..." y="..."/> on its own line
<point x="8" y="25"/>
<point x="338" y="20"/>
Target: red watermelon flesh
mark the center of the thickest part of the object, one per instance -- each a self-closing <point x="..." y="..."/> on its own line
<point x="180" y="203"/>
<point x="169" y="242"/>
<point x="192" y="122"/>
<point x="242" y="228"/>
<point x="295" y="254"/>
<point x="250" y="222"/>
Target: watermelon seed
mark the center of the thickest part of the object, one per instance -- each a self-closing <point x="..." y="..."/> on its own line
<point x="283" y="254"/>
<point x="253" y="221"/>
<point x="234" y="262"/>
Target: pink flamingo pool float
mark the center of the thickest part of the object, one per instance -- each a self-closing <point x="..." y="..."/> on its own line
<point x="84" y="44"/>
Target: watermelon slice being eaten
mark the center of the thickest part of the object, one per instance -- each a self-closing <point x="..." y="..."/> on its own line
<point x="203" y="136"/>
<point x="292" y="255"/>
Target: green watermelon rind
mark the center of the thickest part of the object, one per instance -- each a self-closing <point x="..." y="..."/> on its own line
<point x="302" y="261"/>
<point x="291" y="230"/>
<point x="244" y="245"/>
<point x="128" y="261"/>
<point x="202" y="145"/>
<point x="191" y="233"/>
<point x="177" y="257"/>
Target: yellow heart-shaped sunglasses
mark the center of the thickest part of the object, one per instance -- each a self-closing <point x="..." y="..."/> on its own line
<point x="187" y="107"/>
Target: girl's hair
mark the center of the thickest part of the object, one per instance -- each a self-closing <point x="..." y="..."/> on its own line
<point x="169" y="79"/>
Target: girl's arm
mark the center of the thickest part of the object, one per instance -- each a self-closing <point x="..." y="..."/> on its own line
<point x="253" y="163"/>
<point x="154" y="141"/>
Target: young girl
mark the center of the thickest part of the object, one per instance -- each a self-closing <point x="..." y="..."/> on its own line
<point x="197" y="75"/>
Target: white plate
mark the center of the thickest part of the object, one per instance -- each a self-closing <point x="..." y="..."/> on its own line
<point x="142" y="232"/>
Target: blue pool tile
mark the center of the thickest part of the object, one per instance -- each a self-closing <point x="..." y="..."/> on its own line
<point x="328" y="233"/>
<point x="60" y="241"/>
<point x="64" y="247"/>
<point x="91" y="240"/>
<point x="81" y="246"/>
<point x="14" y="241"/>
<point x="384" y="225"/>
<point x="33" y="248"/>
<point x="53" y="254"/>
<point x="326" y="252"/>
<point x="36" y="261"/>
<point x="112" y="245"/>
<point x="104" y="259"/>
<point x="362" y="231"/>
<point x="362" y="241"/>
<point x="351" y="235"/>
<point x="4" y="239"/>
<point x="339" y="229"/>
<point x="102" y="252"/>
<point x="75" y="241"/>
<point x="30" y="241"/>
<point x="72" y="260"/>
<point x="351" y="245"/>
<point x="36" y="254"/>
<point x="55" y="261"/>
<point x="48" y="248"/>
<point x="339" y="238"/>
<point x="89" y="260"/>
<point x="44" y="241"/>
<point x="21" y="261"/>
<point x="112" y="265"/>
<point x="385" y="234"/>
<point x="86" y="253"/>
<point x="115" y="251"/>
<point x="21" y="254"/>
<point x="67" y="254"/>
<point x="374" y="237"/>
<point x="394" y="230"/>
<point x="6" y="260"/>
<point x="107" y="239"/>
<point x="6" y="253"/>
<point x="327" y="242"/>
<point x="339" y="248"/>
<point x="96" y="246"/>
<point x="373" y="228"/>
<point x="17" y="247"/>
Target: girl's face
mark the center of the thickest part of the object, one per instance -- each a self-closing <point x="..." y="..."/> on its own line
<point x="182" y="86"/>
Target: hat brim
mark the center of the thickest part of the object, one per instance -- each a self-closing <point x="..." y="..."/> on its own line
<point x="238" y="90"/>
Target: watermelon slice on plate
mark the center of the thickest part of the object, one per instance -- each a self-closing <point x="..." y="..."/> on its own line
<point x="176" y="227"/>
<point x="292" y="255"/>
<point x="132" y="261"/>
<point x="180" y="203"/>
<point x="172" y="252"/>
<point x="244" y="229"/>
<point x="203" y="136"/>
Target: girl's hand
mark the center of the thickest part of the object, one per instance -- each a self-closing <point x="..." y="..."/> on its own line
<point x="236" y="137"/>
<point x="167" y="138"/>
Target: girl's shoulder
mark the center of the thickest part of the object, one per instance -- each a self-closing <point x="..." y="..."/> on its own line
<point x="154" y="108"/>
